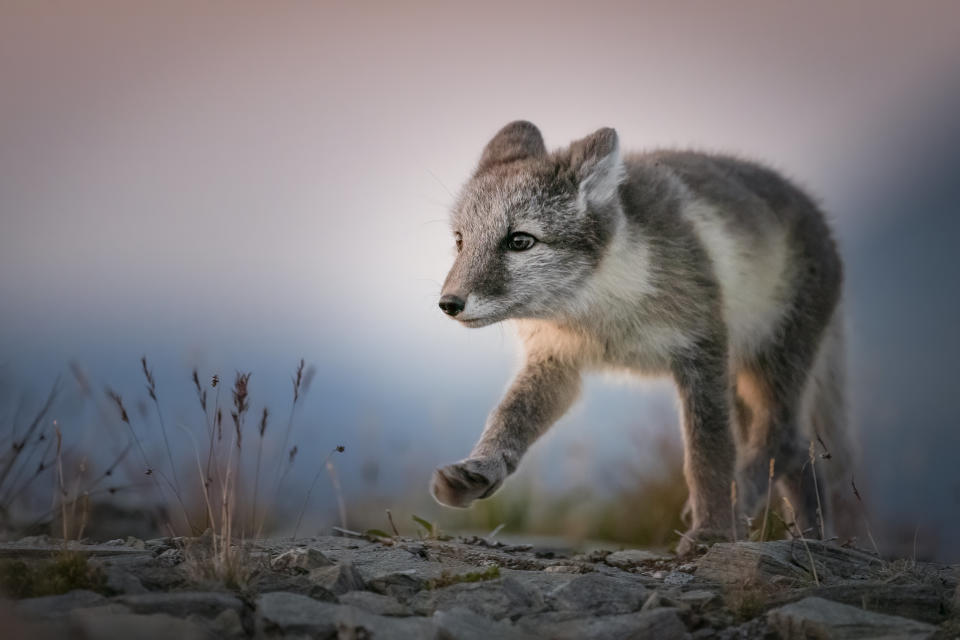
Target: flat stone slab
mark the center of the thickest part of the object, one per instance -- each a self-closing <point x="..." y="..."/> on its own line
<point x="819" y="618"/>
<point x="29" y="551"/>
<point x="595" y="594"/>
<point x="376" y="603"/>
<point x="658" y="624"/>
<point x="630" y="558"/>
<point x="56" y="606"/>
<point x="94" y="626"/>
<point x="464" y="624"/>
<point x="206" y="604"/>
<point x="281" y="613"/>
<point x="916" y="601"/>
<point x="736" y="563"/>
<point x="494" y="599"/>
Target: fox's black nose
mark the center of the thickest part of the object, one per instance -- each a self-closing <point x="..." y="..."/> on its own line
<point x="451" y="304"/>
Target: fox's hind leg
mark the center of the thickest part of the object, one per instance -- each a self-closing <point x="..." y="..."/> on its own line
<point x="774" y="385"/>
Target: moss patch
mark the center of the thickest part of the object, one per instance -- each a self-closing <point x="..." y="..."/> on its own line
<point x="64" y="572"/>
<point x="447" y="579"/>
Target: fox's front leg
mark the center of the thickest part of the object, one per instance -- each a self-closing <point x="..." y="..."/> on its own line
<point x="541" y="393"/>
<point x="703" y="382"/>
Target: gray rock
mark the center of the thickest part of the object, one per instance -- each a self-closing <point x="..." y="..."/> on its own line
<point x="917" y="601"/>
<point x="739" y="562"/>
<point x="56" y="606"/>
<point x="169" y="558"/>
<point x="653" y="601"/>
<point x="300" y="559"/>
<point x="630" y="558"/>
<point x="819" y="618"/>
<point x="21" y="550"/>
<point x="127" y="625"/>
<point x="463" y="624"/>
<point x="659" y="624"/>
<point x="496" y="599"/>
<point x="120" y="577"/>
<point x="206" y="604"/>
<point x="677" y="578"/>
<point x="281" y="614"/>
<point x="299" y="584"/>
<point x="399" y="584"/>
<point x="340" y="578"/>
<point x="226" y="625"/>
<point x="564" y="568"/>
<point x="599" y="595"/>
<point x="155" y="544"/>
<point x="697" y="597"/>
<point x="135" y="543"/>
<point x="356" y="624"/>
<point x="375" y="603"/>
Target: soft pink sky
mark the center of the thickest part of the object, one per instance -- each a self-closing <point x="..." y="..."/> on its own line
<point x="193" y="155"/>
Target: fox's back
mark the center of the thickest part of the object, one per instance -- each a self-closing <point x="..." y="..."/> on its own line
<point x="763" y="236"/>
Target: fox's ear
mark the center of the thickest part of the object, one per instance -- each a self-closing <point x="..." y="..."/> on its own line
<point x="516" y="141"/>
<point x="599" y="167"/>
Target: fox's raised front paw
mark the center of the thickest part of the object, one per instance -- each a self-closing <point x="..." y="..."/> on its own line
<point x="693" y="539"/>
<point x="459" y="484"/>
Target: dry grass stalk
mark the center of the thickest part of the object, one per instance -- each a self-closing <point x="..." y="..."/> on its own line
<point x="393" y="525"/>
<point x="766" y="511"/>
<point x="338" y="490"/>
<point x="793" y="517"/>
<point x="62" y="493"/>
<point x="149" y="470"/>
<point x="733" y="509"/>
<point x="26" y="442"/>
<point x="206" y="493"/>
<point x="816" y="488"/>
<point x="306" y="498"/>
<point x="256" y="478"/>
<point x="301" y="379"/>
<point x="152" y="390"/>
<point x="866" y="522"/>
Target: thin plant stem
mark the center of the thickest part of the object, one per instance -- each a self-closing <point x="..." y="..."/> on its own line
<point x="816" y="488"/>
<point x="793" y="516"/>
<point x="29" y="432"/>
<point x="152" y="390"/>
<point x="733" y="510"/>
<point x="203" y="484"/>
<point x="62" y="491"/>
<point x="863" y="510"/>
<point x="766" y="511"/>
<point x="306" y="498"/>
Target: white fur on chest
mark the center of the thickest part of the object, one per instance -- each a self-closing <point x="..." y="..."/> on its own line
<point x="752" y="270"/>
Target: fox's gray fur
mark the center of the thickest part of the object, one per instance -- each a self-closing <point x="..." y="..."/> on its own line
<point x="707" y="268"/>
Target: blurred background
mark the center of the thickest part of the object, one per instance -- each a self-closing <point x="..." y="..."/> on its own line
<point x="234" y="186"/>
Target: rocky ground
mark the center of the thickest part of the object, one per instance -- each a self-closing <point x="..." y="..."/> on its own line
<point x="351" y="586"/>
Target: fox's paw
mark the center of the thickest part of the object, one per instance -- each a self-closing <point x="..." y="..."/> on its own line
<point x="459" y="484"/>
<point x="697" y="539"/>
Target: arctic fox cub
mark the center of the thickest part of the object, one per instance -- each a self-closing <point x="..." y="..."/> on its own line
<point x="712" y="270"/>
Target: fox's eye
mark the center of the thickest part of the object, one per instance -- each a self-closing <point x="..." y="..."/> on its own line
<point x="520" y="241"/>
<point x="459" y="240"/>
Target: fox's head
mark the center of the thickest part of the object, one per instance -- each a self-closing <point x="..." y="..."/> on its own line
<point x="531" y="226"/>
